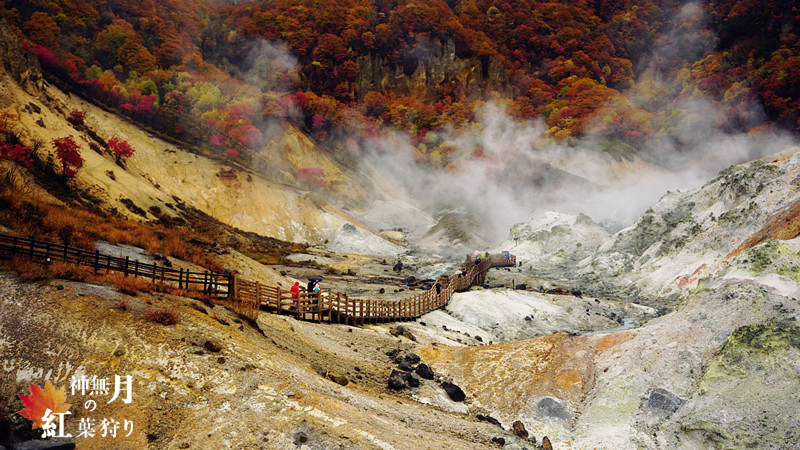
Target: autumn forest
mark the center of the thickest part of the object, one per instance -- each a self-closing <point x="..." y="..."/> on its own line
<point x="212" y="73"/>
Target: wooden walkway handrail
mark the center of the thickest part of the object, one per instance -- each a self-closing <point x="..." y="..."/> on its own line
<point x="249" y="297"/>
<point x="213" y="284"/>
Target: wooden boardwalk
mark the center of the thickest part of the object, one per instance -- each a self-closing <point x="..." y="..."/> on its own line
<point x="250" y="297"/>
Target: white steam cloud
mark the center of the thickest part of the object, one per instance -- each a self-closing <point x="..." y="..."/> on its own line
<point x="520" y="171"/>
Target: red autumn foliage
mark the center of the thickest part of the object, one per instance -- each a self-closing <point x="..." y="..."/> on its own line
<point x="16" y="153"/>
<point x="120" y="148"/>
<point x="77" y="116"/>
<point x="68" y="152"/>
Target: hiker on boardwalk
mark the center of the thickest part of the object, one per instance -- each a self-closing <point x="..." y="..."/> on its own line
<point x="295" y="293"/>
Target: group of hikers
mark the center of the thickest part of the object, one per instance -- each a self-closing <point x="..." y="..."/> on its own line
<point x="312" y="288"/>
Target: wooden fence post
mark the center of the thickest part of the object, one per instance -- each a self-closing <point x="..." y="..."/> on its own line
<point x="127" y="261"/>
<point x="96" y="260"/>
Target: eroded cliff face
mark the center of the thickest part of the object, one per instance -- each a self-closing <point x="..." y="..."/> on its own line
<point x="438" y="67"/>
<point x="20" y="64"/>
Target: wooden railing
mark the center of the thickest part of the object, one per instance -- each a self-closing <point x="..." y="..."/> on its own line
<point x="250" y="297"/>
<point x="212" y="284"/>
<point x="332" y="306"/>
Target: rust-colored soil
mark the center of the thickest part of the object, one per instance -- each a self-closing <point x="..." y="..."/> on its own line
<point x="785" y="225"/>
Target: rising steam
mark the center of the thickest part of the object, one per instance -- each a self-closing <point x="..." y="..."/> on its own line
<point x="520" y="171"/>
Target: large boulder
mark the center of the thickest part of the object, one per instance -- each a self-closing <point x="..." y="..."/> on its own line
<point x="455" y="392"/>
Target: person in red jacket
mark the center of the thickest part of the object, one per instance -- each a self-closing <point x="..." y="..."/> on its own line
<point x="295" y="294"/>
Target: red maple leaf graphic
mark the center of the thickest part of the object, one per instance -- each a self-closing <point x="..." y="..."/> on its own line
<point x="41" y="400"/>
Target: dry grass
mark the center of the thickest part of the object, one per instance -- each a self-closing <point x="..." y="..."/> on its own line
<point x="28" y="270"/>
<point x="80" y="228"/>
<point x="164" y="316"/>
<point x="34" y="271"/>
<point x="130" y="285"/>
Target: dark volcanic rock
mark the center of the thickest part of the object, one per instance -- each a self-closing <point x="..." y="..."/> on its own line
<point x="424" y="371"/>
<point x="455" y="392"/>
<point x="489" y="419"/>
<point x="406" y="366"/>
<point x="664" y="401"/>
<point x="212" y="346"/>
<point x="402" y="331"/>
<point x="411" y="358"/>
<point x="499" y="441"/>
<point x="518" y="428"/>
<point x="300" y="438"/>
<point x="402" y="380"/>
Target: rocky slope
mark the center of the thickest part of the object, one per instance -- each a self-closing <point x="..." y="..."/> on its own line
<point x="694" y="377"/>
<point x="161" y="177"/>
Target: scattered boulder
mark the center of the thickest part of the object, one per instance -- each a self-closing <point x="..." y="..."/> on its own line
<point x="521" y="287"/>
<point x="337" y="378"/>
<point x="424" y="371"/>
<point x="398" y="267"/>
<point x="320" y="370"/>
<point x="300" y="438"/>
<point x="499" y="441"/>
<point x="411" y="358"/>
<point x="212" y="346"/>
<point x="406" y="366"/>
<point x="518" y="428"/>
<point x="402" y="331"/>
<point x="546" y="445"/>
<point x="455" y="392"/>
<point x="664" y="401"/>
<point x="393" y="353"/>
<point x="488" y="418"/>
<point x="402" y="380"/>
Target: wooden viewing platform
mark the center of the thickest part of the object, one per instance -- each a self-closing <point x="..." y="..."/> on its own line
<point x="250" y="297"/>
